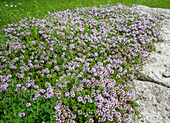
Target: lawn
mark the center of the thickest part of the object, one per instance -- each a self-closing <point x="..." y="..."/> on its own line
<point x="15" y="10"/>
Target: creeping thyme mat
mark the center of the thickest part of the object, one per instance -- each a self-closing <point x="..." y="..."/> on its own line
<point x="73" y="66"/>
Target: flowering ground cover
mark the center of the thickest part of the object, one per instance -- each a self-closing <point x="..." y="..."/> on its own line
<point x="16" y="10"/>
<point x="73" y="66"/>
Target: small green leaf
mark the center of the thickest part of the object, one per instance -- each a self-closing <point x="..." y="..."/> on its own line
<point x="35" y="30"/>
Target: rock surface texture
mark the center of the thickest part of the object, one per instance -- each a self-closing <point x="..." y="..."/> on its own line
<point x="154" y="92"/>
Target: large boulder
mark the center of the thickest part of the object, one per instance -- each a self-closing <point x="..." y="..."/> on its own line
<point x="153" y="90"/>
<point x="163" y="15"/>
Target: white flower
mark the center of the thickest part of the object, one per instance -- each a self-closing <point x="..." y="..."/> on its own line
<point x="28" y="104"/>
<point x="57" y="107"/>
<point x="19" y="3"/>
<point x="47" y="84"/>
<point x="15" y="6"/>
<point x="18" y="85"/>
<point x="22" y="114"/>
<point x="11" y="6"/>
<point x="6" y="5"/>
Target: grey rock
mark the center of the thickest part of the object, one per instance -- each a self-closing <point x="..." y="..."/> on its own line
<point x="162" y="15"/>
<point x="154" y="92"/>
<point x="166" y="74"/>
<point x="153" y="103"/>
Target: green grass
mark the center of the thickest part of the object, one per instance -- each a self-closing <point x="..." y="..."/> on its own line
<point x="39" y="8"/>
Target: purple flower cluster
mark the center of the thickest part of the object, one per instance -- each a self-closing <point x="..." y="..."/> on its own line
<point x="100" y="46"/>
